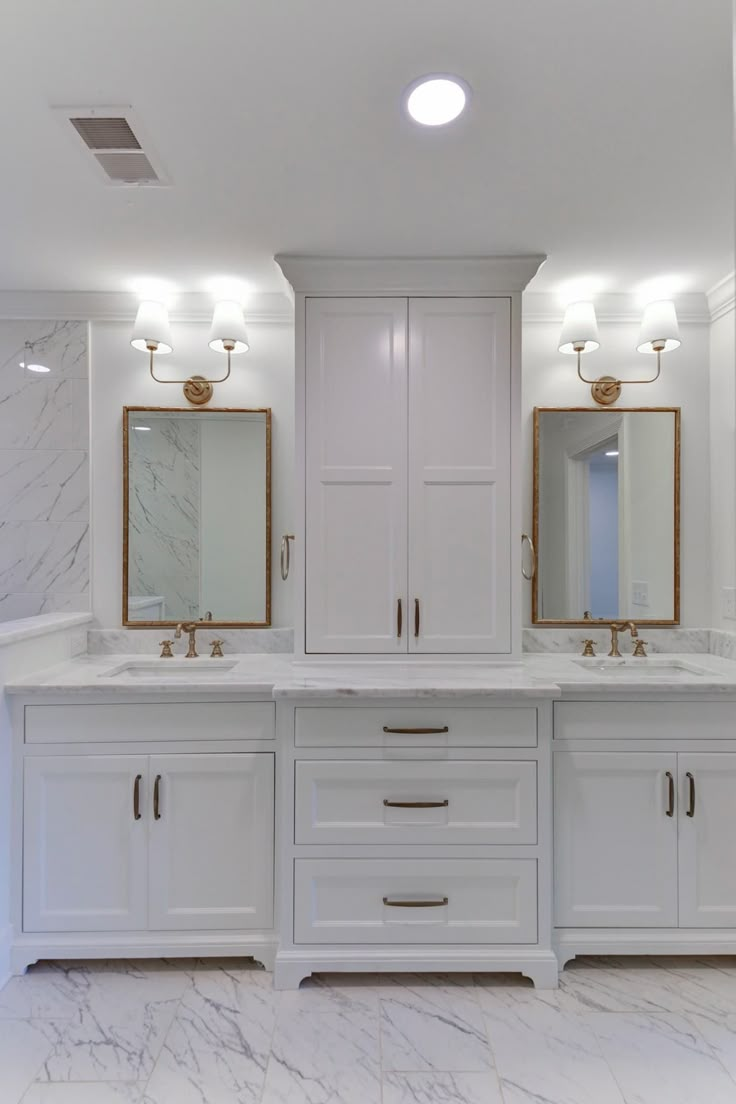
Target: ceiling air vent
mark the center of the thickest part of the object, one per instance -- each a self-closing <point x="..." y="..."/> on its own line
<point x="119" y="146"/>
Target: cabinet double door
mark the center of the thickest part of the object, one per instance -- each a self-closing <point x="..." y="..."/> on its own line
<point x="645" y="839"/>
<point x="137" y="842"/>
<point x="408" y="467"/>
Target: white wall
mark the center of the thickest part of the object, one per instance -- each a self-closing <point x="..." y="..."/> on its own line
<point x="262" y="377"/>
<point x="723" y="464"/>
<point x="549" y="379"/>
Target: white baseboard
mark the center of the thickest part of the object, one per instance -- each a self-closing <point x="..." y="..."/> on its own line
<point x="6" y="939"/>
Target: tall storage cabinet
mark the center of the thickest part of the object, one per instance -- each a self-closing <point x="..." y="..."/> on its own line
<point x="407" y="539"/>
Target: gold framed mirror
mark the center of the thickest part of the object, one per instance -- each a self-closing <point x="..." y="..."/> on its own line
<point x="196" y="517"/>
<point x="606" y="525"/>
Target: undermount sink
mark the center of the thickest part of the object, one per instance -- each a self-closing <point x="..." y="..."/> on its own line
<point x="172" y="670"/>
<point x="626" y="668"/>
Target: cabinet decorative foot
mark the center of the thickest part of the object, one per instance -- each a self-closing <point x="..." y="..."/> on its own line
<point x="266" y="956"/>
<point x="289" y="975"/>
<point x="544" y="975"/>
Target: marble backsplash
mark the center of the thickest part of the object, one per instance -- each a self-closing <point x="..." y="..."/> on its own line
<point x="44" y="470"/>
<point x="148" y="641"/>
<point x="571" y="639"/>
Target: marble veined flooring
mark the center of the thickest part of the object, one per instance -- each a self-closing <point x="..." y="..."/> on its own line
<point x="618" y="1031"/>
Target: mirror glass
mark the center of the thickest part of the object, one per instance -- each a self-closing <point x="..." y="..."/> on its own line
<point x="197" y="517"/>
<point x="606" y="515"/>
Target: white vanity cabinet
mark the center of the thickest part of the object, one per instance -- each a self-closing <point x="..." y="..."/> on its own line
<point x="163" y="846"/>
<point x="416" y="837"/>
<point x="645" y="822"/>
<point x="408" y="467"/>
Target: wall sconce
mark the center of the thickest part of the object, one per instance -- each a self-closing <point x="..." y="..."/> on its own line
<point x="659" y="334"/>
<point x="152" y="334"/>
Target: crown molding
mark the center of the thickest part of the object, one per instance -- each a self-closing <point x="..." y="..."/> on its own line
<point x="409" y="275"/>
<point x="722" y="297"/>
<point x="112" y="306"/>
<point x="692" y="308"/>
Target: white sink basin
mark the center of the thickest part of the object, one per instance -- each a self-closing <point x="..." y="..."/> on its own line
<point x="626" y="668"/>
<point x="172" y="670"/>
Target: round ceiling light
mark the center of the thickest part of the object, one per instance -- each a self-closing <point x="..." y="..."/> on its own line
<point x="34" y="367"/>
<point x="437" y="100"/>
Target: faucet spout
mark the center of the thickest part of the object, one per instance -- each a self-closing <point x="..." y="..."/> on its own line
<point x="616" y="628"/>
<point x="189" y="627"/>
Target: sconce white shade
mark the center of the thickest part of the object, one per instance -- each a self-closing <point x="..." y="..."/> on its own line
<point x="579" y="328"/>
<point x="151" y="328"/>
<point x="659" y="327"/>
<point x="228" y="325"/>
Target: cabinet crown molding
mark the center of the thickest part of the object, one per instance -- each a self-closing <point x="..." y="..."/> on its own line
<point x="409" y="275"/>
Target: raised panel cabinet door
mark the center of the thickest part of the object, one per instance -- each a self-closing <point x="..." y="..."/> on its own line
<point x="356" y="524"/>
<point x="84" y="851"/>
<point x="459" y="475"/>
<point x="707" y="838"/>
<point x="615" y="839"/>
<point x="211" y="841"/>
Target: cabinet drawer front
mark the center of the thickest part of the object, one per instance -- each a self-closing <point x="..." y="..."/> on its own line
<point x="105" y="723"/>
<point x="684" y="720"/>
<point x="438" y="727"/>
<point x="459" y="802"/>
<point x="454" y="901"/>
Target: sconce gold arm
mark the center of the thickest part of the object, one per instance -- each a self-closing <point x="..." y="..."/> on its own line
<point x="152" y="350"/>
<point x="607" y="389"/>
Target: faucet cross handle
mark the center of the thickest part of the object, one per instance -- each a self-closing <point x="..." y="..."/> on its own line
<point x="166" y="652"/>
<point x="640" y="647"/>
<point x="216" y="648"/>
<point x="589" y="647"/>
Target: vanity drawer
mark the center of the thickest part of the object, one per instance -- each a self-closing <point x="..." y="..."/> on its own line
<point x="621" y="720"/>
<point x="486" y="802"/>
<point x="379" y="726"/>
<point x="455" y="901"/>
<point x="106" y="723"/>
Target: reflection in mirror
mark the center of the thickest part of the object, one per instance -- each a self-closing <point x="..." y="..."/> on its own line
<point x="606" y="515"/>
<point x="197" y="526"/>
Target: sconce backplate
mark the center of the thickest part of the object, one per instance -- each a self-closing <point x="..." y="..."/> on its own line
<point x="606" y="390"/>
<point x="199" y="391"/>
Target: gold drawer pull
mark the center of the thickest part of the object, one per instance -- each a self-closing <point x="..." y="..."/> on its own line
<point x="416" y="904"/>
<point x="137" y="797"/>
<point x="691" y="807"/>
<point x="415" y="804"/>
<point x="157" y="798"/>
<point x="416" y="731"/>
<point x="671" y="789"/>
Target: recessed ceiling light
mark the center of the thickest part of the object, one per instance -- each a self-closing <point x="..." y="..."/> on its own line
<point x="436" y="100"/>
<point x="34" y="367"/>
<point x="613" y="452"/>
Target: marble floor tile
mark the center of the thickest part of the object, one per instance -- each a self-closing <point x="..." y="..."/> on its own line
<point x="324" y="1057"/>
<point x="218" y="1046"/>
<point x="122" y="1016"/>
<point x="543" y="1054"/>
<point x="441" y="1088"/>
<point x="433" y="1027"/>
<point x="85" y="1092"/>
<point x="342" y="993"/>
<point x="661" y="1058"/>
<point x="22" y="1051"/>
<point x="701" y="984"/>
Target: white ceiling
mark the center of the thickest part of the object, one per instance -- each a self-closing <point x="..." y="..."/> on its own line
<point x="599" y="133"/>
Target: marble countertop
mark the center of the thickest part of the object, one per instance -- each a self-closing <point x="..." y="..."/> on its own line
<point x="549" y="675"/>
<point x="11" y="632"/>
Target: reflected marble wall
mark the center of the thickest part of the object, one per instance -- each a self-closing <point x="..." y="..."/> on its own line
<point x="44" y="470"/>
<point x="164" y="516"/>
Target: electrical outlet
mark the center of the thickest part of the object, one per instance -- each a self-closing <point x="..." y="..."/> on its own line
<point x="640" y="594"/>
<point x="728" y="603"/>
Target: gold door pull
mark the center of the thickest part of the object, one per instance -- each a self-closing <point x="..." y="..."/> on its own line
<point x="671" y="794"/>
<point x="691" y="808"/>
<point x="416" y="617"/>
<point x="286" y="554"/>
<point x="416" y="731"/>
<point x="415" y="804"/>
<point x="399" y="619"/>
<point x="137" y="797"/>
<point x="416" y="904"/>
<point x="157" y="798"/>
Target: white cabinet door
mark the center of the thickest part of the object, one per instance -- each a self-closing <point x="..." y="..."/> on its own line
<point x="84" y="853"/>
<point x="615" y="844"/>
<point x="211" y="846"/>
<point x="356" y="526"/>
<point x="707" y="790"/>
<point x="459" y="474"/>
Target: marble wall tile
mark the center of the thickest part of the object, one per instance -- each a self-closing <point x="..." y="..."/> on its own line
<point x="723" y="643"/>
<point x="146" y="641"/>
<point x="44" y="468"/>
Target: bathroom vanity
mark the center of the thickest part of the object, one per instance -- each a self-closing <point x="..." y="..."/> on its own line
<point x="374" y="818"/>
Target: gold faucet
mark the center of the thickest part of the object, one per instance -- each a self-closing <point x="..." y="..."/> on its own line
<point x="616" y="628"/>
<point x="191" y="628"/>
